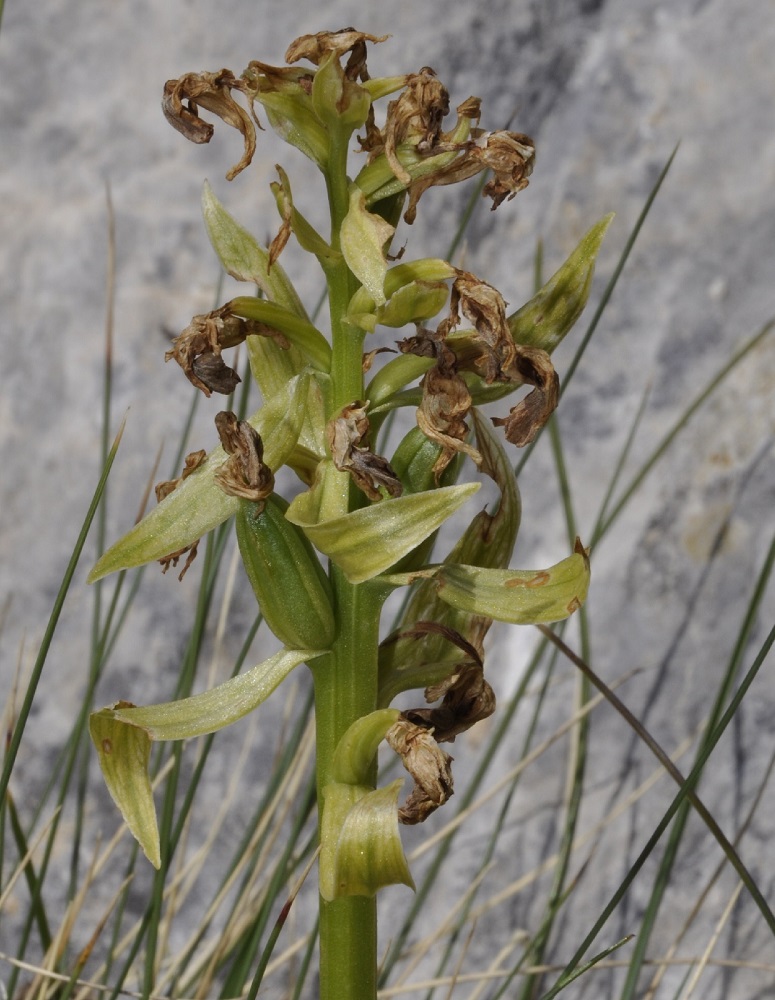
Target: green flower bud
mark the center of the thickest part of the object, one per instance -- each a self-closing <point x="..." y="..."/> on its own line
<point x="550" y="314"/>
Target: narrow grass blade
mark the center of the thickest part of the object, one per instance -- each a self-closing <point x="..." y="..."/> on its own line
<point x="37" y="670"/>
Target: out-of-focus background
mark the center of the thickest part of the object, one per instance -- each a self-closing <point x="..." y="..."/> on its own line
<point x="607" y="89"/>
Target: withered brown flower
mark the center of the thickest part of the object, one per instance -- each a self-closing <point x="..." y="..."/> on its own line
<point x="347" y="436"/>
<point x="244" y="473"/>
<point x="316" y="47"/>
<point x="197" y="349"/>
<point x="183" y="97"/>
<point x="428" y="764"/>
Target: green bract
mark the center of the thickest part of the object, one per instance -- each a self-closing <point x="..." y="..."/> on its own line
<point x="123" y="735"/>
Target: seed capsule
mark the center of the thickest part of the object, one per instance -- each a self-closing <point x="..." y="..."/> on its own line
<point x="291" y="588"/>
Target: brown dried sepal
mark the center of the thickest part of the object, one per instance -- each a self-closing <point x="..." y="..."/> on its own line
<point x="192" y="462"/>
<point x="428" y="764"/>
<point x="466" y="696"/>
<point x="502" y="360"/>
<point x="244" y="473"/>
<point x="446" y="400"/>
<point x="183" y="97"/>
<point x="198" y="348"/>
<point x="527" y="418"/>
<point x="316" y="47"/>
<point x="371" y="473"/>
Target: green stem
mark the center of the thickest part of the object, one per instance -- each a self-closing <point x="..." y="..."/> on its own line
<point x="346" y="690"/>
<point x="345" y="681"/>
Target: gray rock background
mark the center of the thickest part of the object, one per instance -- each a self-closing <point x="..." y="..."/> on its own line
<point x="607" y="88"/>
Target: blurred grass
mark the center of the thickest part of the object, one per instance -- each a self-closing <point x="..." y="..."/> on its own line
<point x="216" y="920"/>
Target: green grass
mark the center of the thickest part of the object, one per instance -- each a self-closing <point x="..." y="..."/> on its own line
<point x="84" y="917"/>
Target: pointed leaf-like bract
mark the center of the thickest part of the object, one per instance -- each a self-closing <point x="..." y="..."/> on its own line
<point x="244" y="258"/>
<point x="550" y="314"/>
<point x="488" y="541"/>
<point x="363" y="237"/>
<point x="520" y="597"/>
<point x="123" y="753"/>
<point x="366" y="542"/>
<point x="123" y="735"/>
<point x="199" y="504"/>
<point x="361" y="848"/>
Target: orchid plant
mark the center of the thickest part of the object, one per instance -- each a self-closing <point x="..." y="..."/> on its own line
<point x="362" y="523"/>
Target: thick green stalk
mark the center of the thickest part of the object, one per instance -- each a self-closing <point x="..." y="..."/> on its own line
<point x="345" y="681"/>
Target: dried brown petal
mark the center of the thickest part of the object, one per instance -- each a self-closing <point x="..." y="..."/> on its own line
<point x="212" y="371"/>
<point x="174" y="558"/>
<point x="428" y="764"/>
<point x="213" y="92"/>
<point x="368" y="358"/>
<point x="192" y="462"/>
<point x="446" y="400"/>
<point x="369" y="471"/>
<point x="198" y="348"/>
<point x="415" y="116"/>
<point x="467" y="698"/>
<point x="244" y="474"/>
<point x="316" y="47"/>
<point x="525" y="420"/>
<point x="510" y="156"/>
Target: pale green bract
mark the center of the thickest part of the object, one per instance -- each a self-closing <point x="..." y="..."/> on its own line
<point x="366" y="542"/>
<point x="123" y="735"/>
<point x="363" y="237"/>
<point x="520" y="597"/>
<point x="244" y="258"/>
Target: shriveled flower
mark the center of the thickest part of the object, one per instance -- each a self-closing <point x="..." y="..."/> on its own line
<point x="415" y="117"/>
<point x="316" y="47"/>
<point x="183" y="97"/>
<point x="197" y="349"/>
<point x="446" y="400"/>
<point x="428" y="764"/>
<point x="503" y="360"/>
<point x="347" y="437"/>
<point x="526" y="419"/>
<point x="510" y="156"/>
<point x="244" y="474"/>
